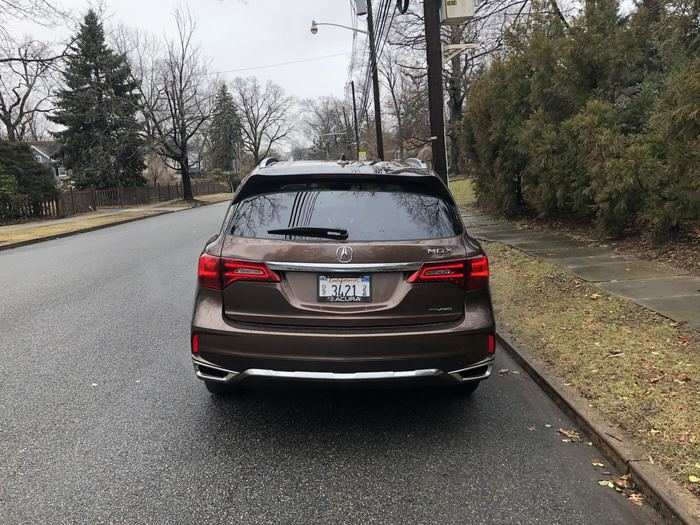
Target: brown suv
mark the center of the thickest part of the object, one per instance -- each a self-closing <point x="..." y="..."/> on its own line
<point x="342" y="272"/>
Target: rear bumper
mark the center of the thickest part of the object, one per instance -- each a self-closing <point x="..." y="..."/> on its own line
<point x="208" y="371"/>
<point x="232" y="349"/>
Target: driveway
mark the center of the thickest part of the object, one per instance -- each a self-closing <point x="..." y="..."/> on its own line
<point x="103" y="420"/>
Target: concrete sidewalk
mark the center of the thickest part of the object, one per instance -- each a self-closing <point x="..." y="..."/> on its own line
<point x="668" y="291"/>
<point x="35" y="231"/>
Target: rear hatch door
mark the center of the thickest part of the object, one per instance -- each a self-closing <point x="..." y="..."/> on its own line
<point x="392" y="227"/>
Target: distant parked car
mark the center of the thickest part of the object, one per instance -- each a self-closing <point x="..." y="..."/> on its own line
<point x="342" y="272"/>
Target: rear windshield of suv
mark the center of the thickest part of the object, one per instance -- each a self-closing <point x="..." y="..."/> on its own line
<point x="366" y="211"/>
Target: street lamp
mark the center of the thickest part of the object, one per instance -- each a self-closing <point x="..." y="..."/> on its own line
<point x="375" y="72"/>
<point x="314" y="27"/>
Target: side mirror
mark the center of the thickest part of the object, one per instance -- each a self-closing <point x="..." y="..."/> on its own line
<point x="211" y="239"/>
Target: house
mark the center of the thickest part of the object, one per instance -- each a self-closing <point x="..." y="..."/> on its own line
<point x="45" y="152"/>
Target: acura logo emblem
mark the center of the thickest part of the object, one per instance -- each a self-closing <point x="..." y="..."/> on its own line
<point x="344" y="254"/>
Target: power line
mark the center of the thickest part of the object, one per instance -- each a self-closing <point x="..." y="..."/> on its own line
<point x="388" y="31"/>
<point x="383" y="36"/>
<point x="381" y="8"/>
<point x="279" y="64"/>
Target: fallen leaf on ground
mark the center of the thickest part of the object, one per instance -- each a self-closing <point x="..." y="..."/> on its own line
<point x="636" y="498"/>
<point x="624" y="483"/>
<point x="597" y="463"/>
<point x="693" y="479"/>
<point x="531" y="429"/>
<point x="571" y="434"/>
<point x="606" y="483"/>
<point x="503" y="371"/>
<point x="595" y="296"/>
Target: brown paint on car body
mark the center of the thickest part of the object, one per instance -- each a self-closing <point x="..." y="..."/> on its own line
<point x="284" y="326"/>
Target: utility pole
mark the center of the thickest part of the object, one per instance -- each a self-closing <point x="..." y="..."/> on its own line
<point x="354" y="116"/>
<point x="435" y="98"/>
<point x="375" y="78"/>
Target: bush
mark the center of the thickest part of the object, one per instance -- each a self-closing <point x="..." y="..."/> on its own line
<point x="671" y="148"/>
<point x="20" y="174"/>
<point x="491" y="126"/>
<point x="597" y="122"/>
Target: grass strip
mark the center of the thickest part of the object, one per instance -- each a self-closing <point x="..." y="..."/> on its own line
<point x="639" y="369"/>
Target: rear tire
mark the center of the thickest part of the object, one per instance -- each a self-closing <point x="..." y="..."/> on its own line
<point x="467" y="389"/>
<point x="219" y="389"/>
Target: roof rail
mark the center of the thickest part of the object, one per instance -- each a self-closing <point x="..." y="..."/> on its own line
<point x="267" y="161"/>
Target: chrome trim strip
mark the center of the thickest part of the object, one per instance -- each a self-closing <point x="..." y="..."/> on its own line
<point x="340" y="267"/>
<point x="488" y="362"/>
<point x="334" y="376"/>
<point x="232" y="376"/>
<point x="196" y="361"/>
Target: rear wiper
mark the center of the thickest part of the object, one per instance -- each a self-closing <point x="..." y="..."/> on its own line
<point x="309" y="231"/>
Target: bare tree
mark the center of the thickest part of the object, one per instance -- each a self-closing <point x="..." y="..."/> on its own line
<point x="390" y="70"/>
<point x="144" y="52"/>
<point x="41" y="12"/>
<point x="264" y="113"/>
<point x="25" y="88"/>
<point x="327" y="123"/>
<point x="176" y="97"/>
<point x="487" y="30"/>
<point x="407" y="94"/>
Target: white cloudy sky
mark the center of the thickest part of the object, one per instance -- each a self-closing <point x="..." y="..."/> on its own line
<point x="239" y="34"/>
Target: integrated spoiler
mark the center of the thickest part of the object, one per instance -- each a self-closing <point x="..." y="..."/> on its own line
<point x="258" y="183"/>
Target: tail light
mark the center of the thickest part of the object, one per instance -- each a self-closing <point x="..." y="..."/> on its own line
<point x="491" y="348"/>
<point x="195" y="344"/>
<point x="470" y="274"/>
<point x="217" y="273"/>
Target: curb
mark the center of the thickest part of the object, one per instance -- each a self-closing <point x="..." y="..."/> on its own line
<point x="37" y="240"/>
<point x="671" y="500"/>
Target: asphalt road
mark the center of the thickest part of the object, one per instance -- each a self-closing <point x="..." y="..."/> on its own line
<point x="103" y="421"/>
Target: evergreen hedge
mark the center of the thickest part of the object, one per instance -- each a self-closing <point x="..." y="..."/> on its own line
<point x="598" y="121"/>
<point x="22" y="175"/>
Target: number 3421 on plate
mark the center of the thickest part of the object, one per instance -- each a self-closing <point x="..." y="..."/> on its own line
<point x="344" y="289"/>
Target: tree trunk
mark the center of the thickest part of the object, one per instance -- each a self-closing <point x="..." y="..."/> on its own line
<point x="11" y="134"/>
<point x="185" y="173"/>
<point x="558" y="13"/>
<point x="455" y="100"/>
<point x="186" y="183"/>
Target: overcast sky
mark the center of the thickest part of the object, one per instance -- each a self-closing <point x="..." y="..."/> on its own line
<point x="240" y="34"/>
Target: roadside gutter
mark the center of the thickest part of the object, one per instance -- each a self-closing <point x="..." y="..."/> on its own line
<point x="669" y="498"/>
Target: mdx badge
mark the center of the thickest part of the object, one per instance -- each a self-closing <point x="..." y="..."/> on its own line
<point x="439" y="251"/>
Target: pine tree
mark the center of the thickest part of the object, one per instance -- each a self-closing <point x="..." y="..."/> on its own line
<point x="8" y="187"/>
<point x="21" y="174"/>
<point x="224" y="132"/>
<point x="101" y="142"/>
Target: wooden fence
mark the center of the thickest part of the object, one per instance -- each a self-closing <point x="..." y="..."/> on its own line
<point x="73" y="202"/>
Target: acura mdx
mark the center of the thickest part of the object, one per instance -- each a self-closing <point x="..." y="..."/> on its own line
<point x="342" y="272"/>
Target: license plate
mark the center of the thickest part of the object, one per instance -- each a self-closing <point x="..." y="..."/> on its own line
<point x="344" y="289"/>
